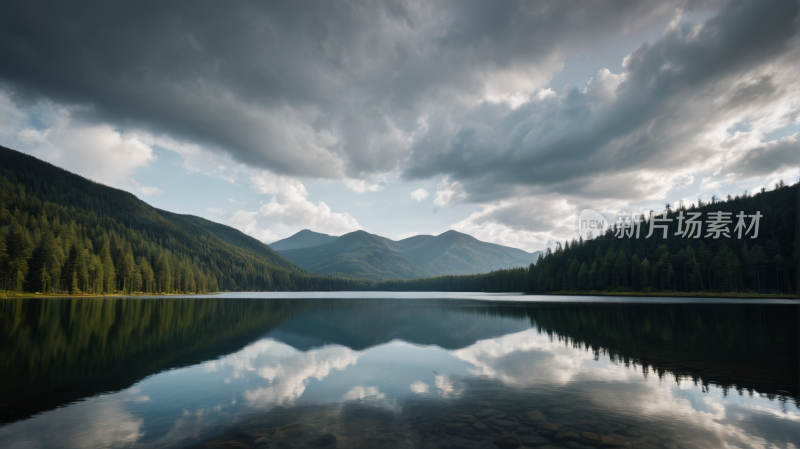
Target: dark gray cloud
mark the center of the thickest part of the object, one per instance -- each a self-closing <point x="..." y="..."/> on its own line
<point x="325" y="88"/>
<point x="600" y="142"/>
<point x="357" y="89"/>
<point x="768" y="158"/>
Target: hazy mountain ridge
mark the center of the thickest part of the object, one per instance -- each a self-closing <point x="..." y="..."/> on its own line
<point x="302" y="239"/>
<point x="366" y="255"/>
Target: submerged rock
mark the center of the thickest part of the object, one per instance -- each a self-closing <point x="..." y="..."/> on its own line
<point x="233" y="445"/>
<point x="479" y="426"/>
<point x="534" y="440"/>
<point x="549" y="428"/>
<point x="507" y="442"/>
<point x="536" y="415"/>
<point x="651" y="439"/>
<point x="263" y="441"/>
<point x="566" y="436"/>
<point x="323" y="440"/>
<point x="502" y="423"/>
<point x="456" y="426"/>
<point x="464" y="418"/>
<point x="576" y="445"/>
<point x="609" y="441"/>
<point x="459" y="442"/>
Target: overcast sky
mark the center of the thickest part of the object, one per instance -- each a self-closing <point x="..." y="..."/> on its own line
<point x="500" y="119"/>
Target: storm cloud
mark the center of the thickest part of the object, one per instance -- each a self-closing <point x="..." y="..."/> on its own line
<point x="651" y="117"/>
<point x="361" y="92"/>
<point x="338" y="89"/>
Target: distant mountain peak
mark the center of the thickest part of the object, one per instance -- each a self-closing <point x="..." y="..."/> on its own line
<point x="303" y="239"/>
<point x="360" y="253"/>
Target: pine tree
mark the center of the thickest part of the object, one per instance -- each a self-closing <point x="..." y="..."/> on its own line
<point x="109" y="276"/>
<point x="20" y="249"/>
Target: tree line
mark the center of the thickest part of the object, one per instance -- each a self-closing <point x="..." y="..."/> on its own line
<point x="49" y="248"/>
<point x="766" y="264"/>
<point x="53" y="249"/>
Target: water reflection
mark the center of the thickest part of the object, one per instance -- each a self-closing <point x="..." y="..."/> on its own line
<point x="222" y="372"/>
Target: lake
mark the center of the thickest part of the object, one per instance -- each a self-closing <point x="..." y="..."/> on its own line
<point x="398" y="370"/>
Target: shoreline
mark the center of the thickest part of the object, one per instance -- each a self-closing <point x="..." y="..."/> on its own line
<point x="558" y="293"/>
<point x="87" y="295"/>
<point x="676" y="294"/>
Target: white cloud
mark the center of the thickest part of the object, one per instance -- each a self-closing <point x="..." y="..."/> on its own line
<point x="527" y="223"/>
<point x="420" y="387"/>
<point x="502" y="234"/>
<point x="290" y="210"/>
<point x="287" y="369"/>
<point x="709" y="184"/>
<point x="361" y="186"/>
<point x="197" y="159"/>
<point x="419" y="194"/>
<point x="144" y="190"/>
<point x="358" y="393"/>
<point x="448" y="192"/>
<point x="103" y="421"/>
<point x="97" y="152"/>
<point x="247" y="222"/>
<point x="215" y="210"/>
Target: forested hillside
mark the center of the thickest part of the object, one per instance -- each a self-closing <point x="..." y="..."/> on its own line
<point x="60" y="232"/>
<point x="766" y="264"/>
<point x="680" y="263"/>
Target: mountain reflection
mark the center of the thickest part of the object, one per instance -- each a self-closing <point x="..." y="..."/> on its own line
<point x="57" y="351"/>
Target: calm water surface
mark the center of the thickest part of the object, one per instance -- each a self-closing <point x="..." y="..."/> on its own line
<point x="373" y="370"/>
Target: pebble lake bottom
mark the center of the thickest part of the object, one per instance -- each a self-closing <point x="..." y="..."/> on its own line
<point x="389" y="370"/>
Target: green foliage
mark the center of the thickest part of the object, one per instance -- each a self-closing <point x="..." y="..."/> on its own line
<point x="766" y="264"/>
<point x="510" y="280"/>
<point x="62" y="233"/>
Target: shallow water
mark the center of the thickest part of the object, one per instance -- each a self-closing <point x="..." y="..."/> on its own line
<point x="409" y="370"/>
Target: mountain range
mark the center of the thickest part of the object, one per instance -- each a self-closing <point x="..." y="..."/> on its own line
<point x="360" y="254"/>
<point x="60" y="232"/>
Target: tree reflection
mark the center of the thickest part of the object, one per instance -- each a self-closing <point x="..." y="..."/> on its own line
<point x="56" y="351"/>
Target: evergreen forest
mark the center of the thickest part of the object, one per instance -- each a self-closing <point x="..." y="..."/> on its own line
<point x="765" y="264"/>
<point x="62" y="233"/>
